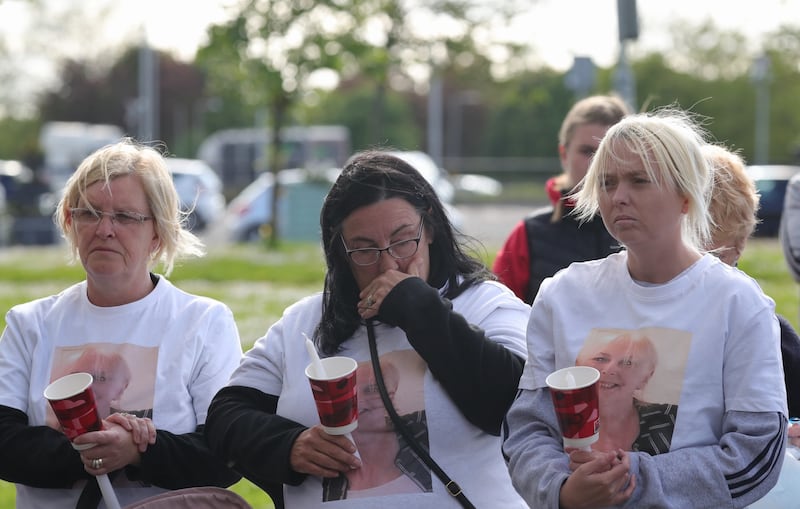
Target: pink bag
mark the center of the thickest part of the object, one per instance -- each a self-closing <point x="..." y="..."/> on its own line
<point x="206" y="497"/>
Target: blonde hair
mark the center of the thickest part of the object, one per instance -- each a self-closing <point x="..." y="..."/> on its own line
<point x="735" y="199"/>
<point x="669" y="143"/>
<point x="603" y="110"/>
<point x="595" y="109"/>
<point x="124" y="158"/>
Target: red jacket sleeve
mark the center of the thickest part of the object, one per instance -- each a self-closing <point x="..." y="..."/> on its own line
<point x="512" y="264"/>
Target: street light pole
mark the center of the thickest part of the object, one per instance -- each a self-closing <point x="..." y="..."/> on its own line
<point x="438" y="60"/>
<point x="435" y="113"/>
<point x="148" y="107"/>
<point x="624" y="81"/>
<point x="762" y="77"/>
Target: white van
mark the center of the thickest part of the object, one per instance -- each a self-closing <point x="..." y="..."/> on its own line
<point x="240" y="155"/>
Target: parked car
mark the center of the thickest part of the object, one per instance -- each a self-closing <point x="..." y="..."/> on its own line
<point x="14" y="175"/>
<point x="28" y="205"/>
<point x="437" y="177"/>
<point x="301" y="200"/>
<point x="303" y="192"/>
<point x="771" y="181"/>
<point x="200" y="191"/>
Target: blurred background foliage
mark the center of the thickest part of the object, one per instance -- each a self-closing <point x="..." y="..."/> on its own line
<point x="261" y="66"/>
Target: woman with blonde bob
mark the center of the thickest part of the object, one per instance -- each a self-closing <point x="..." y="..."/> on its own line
<point x="124" y="159"/>
<point x="120" y="217"/>
<point x="651" y="182"/>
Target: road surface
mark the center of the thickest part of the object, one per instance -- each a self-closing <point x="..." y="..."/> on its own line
<point x="491" y="224"/>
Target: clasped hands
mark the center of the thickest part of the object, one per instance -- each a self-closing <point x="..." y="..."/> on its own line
<point x="794" y="435"/>
<point x="119" y="444"/>
<point x="598" y="479"/>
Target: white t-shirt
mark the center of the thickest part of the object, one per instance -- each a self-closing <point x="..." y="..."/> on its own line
<point x="715" y="333"/>
<point x="172" y="352"/>
<point x="276" y="365"/>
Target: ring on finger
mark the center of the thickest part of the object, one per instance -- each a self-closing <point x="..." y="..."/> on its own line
<point x="97" y="463"/>
<point x="370" y="301"/>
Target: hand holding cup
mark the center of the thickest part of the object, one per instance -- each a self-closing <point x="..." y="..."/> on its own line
<point x="72" y="400"/>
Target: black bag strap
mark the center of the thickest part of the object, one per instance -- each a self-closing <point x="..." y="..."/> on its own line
<point x="452" y="487"/>
<point x="90" y="495"/>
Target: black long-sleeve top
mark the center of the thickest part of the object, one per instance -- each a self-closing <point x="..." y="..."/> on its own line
<point x="43" y="457"/>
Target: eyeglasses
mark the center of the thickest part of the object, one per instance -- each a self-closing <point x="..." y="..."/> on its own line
<point x="399" y="250"/>
<point x="93" y="217"/>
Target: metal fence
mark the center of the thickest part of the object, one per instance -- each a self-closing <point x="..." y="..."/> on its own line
<point x="504" y="168"/>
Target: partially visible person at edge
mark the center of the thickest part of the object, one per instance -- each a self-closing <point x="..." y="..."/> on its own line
<point x="790" y="227"/>
<point x="651" y="183"/>
<point x="120" y="217"/>
<point x="395" y="265"/>
<point x="733" y="208"/>
<point x="550" y="238"/>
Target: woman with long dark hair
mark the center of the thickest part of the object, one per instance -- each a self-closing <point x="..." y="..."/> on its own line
<point x="399" y="289"/>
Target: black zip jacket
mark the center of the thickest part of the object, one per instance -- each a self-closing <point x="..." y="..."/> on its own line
<point x="43" y="457"/>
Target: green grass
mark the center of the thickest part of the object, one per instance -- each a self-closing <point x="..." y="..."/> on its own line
<point x="763" y="260"/>
<point x="258" y="284"/>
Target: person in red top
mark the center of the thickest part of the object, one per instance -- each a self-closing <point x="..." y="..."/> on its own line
<point x="549" y="238"/>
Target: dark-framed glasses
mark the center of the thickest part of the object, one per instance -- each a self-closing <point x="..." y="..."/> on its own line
<point x="83" y="216"/>
<point x="398" y="250"/>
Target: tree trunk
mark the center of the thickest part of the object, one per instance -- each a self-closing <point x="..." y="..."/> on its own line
<point x="278" y="115"/>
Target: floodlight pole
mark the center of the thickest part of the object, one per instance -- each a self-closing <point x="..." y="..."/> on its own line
<point x="148" y="107"/>
<point x="435" y="114"/>
<point x="761" y="77"/>
<point x="624" y="81"/>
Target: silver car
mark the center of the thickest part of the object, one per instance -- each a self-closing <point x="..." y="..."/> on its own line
<point x="303" y="192"/>
<point x="200" y="191"/>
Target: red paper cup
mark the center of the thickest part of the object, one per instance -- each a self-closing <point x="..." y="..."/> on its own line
<point x="72" y="400"/>
<point x="576" y="401"/>
<point x="335" y="394"/>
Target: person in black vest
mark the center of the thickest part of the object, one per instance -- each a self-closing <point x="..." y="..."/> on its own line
<point x="549" y="238"/>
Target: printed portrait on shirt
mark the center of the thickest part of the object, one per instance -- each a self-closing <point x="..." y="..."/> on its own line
<point x="124" y="376"/>
<point x="641" y="377"/>
<point x="389" y="466"/>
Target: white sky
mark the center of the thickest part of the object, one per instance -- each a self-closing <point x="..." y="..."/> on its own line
<point x="563" y="29"/>
<point x="558" y="29"/>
